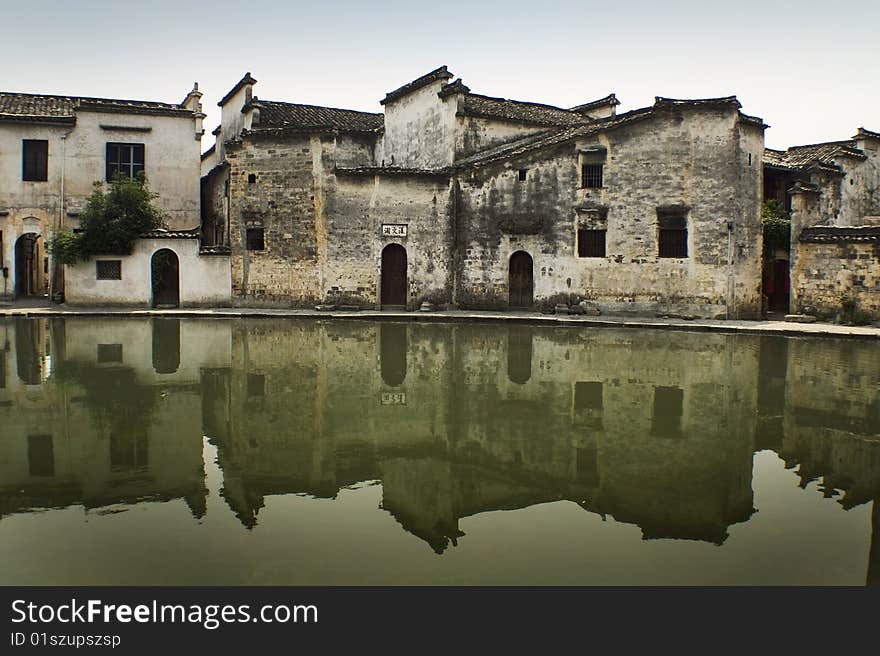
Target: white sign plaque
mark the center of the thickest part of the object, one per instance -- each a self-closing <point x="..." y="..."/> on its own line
<point x="393" y="230"/>
<point x="393" y="398"/>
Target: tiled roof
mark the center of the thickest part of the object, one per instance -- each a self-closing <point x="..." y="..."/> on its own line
<point x="246" y="79"/>
<point x="774" y="158"/>
<point x="552" y="137"/>
<point x="824" y="153"/>
<point x="518" y="111"/>
<point x="556" y="136"/>
<point x="866" y="134"/>
<point x="610" y="99"/>
<point x="35" y="107"/>
<point x="832" y="234"/>
<point x="313" y="117"/>
<point x="437" y="74"/>
<point x="162" y="233"/>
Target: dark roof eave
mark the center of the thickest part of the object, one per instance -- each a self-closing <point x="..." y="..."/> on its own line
<point x="506" y="119"/>
<point x="246" y="79"/>
<point x="60" y="121"/>
<point x="441" y="173"/>
<point x="149" y="111"/>
<point x="838" y="234"/>
<point x="440" y="73"/>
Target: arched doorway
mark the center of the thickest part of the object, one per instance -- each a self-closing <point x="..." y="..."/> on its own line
<point x="165" y="275"/>
<point x="392" y="353"/>
<point x="393" y="290"/>
<point x="27" y="257"/>
<point x="521" y="281"/>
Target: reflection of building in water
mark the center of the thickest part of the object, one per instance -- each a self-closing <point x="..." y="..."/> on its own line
<point x="656" y="430"/>
<point x="103" y="429"/>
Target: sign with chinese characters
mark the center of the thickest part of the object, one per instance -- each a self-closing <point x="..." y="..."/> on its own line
<point x="393" y="230"/>
<point x="393" y="398"/>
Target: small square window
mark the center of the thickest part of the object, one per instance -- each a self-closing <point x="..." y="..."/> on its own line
<point x="591" y="243"/>
<point x="109" y="353"/>
<point x="591" y="176"/>
<point x="256" y="385"/>
<point x="125" y="159"/>
<point x="252" y="178"/>
<point x="588" y="396"/>
<point x="672" y="234"/>
<point x="41" y="455"/>
<point x="522" y="174"/>
<point x="668" y="409"/>
<point x="254" y="238"/>
<point x="108" y="269"/>
<point x="35" y="160"/>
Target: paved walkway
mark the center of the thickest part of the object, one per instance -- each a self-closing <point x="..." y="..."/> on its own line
<point x="769" y="327"/>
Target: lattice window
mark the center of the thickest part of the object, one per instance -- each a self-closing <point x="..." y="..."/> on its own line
<point x="124" y="158"/>
<point x="108" y="269"/>
<point x="591" y="176"/>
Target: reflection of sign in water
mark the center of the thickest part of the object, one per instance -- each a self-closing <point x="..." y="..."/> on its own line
<point x="393" y="230"/>
<point x="393" y="398"/>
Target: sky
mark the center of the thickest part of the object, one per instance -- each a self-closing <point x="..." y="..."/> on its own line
<point x="809" y="69"/>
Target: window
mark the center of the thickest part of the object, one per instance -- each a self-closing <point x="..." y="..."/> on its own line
<point x="252" y="178"/>
<point x="522" y="174"/>
<point x="108" y="269"/>
<point x="129" y="450"/>
<point x="668" y="404"/>
<point x="126" y="159"/>
<point x="672" y="234"/>
<point x="588" y="396"/>
<point x="591" y="242"/>
<point x="256" y="385"/>
<point x="254" y="237"/>
<point x="35" y="160"/>
<point x="41" y="455"/>
<point x="591" y="176"/>
<point x="109" y="353"/>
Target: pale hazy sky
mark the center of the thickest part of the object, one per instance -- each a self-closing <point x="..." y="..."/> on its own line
<point x="809" y="69"/>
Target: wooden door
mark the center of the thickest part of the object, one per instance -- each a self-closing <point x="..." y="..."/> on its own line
<point x="521" y="283"/>
<point x="393" y="291"/>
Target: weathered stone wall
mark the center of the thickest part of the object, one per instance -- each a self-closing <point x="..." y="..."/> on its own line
<point x="697" y="159"/>
<point x="826" y="273"/>
<point x="473" y="134"/>
<point x="357" y="207"/>
<point x="285" y="200"/>
<point x="215" y="207"/>
<point x="419" y="130"/>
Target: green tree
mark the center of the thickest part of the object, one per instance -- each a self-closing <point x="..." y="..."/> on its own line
<point x="777" y="228"/>
<point x="111" y="221"/>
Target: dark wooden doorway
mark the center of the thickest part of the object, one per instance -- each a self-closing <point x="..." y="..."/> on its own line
<point x="165" y="274"/>
<point x="393" y="291"/>
<point x="777" y="287"/>
<point x="521" y="281"/>
<point x="26" y="259"/>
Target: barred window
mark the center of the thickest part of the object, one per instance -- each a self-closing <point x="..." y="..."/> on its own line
<point x="591" y="176"/>
<point x="254" y="239"/>
<point x="124" y="158"/>
<point x="591" y="243"/>
<point x="108" y="269"/>
<point x="672" y="234"/>
<point x="35" y="160"/>
<point x="109" y="353"/>
<point x="668" y="409"/>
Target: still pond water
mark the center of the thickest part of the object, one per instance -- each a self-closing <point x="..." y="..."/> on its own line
<point x="165" y="451"/>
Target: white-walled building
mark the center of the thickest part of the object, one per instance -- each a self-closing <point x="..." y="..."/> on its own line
<point x="53" y="149"/>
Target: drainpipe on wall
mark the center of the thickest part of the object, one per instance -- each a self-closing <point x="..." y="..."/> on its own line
<point x="730" y="276"/>
<point x="53" y="265"/>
